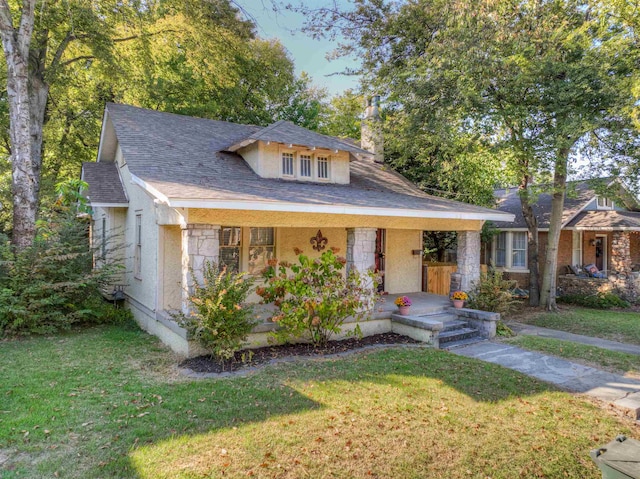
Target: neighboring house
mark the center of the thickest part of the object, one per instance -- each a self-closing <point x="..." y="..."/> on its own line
<point x="184" y="190"/>
<point x="595" y="230"/>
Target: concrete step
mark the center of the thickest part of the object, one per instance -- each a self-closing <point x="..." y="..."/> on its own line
<point x="441" y="316"/>
<point x="461" y="343"/>
<point x="453" y="324"/>
<point x="457" y="335"/>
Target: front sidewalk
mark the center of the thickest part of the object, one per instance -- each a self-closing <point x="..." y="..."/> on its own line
<point x="621" y="392"/>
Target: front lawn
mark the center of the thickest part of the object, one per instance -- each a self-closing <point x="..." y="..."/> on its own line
<point x="106" y="402"/>
<point x="613" y="325"/>
<point x="614" y="361"/>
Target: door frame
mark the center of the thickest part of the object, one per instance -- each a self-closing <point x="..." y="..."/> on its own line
<point x="605" y="250"/>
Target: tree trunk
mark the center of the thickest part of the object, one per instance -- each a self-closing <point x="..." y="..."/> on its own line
<point x="532" y="241"/>
<point x="25" y="135"/>
<point x="548" y="293"/>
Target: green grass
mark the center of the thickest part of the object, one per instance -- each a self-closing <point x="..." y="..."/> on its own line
<point x="107" y="403"/>
<point x="613" y="325"/>
<point x="591" y="355"/>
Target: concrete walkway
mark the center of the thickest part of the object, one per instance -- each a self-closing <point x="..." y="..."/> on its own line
<point x="529" y="330"/>
<point x="623" y="393"/>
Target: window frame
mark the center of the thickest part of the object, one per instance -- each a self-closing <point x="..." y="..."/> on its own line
<point x="509" y="252"/>
<point x="607" y="204"/>
<point x="238" y="246"/>
<point x="302" y="157"/>
<point x="327" y="161"/>
<point x="293" y="164"/>
<point x="137" y="255"/>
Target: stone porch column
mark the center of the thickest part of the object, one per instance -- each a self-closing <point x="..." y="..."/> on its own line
<point x="621" y="265"/>
<point x="200" y="243"/>
<point x="469" y="258"/>
<point x="361" y="251"/>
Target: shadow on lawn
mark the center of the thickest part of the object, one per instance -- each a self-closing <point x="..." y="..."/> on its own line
<point x="267" y="395"/>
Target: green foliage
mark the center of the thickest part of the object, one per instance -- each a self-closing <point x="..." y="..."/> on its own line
<point x="220" y="319"/>
<point x="503" y="330"/>
<point x="492" y="293"/>
<point x="596" y="301"/>
<point x="53" y="285"/>
<point x="314" y="297"/>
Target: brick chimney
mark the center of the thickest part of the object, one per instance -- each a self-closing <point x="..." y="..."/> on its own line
<point x="371" y="138"/>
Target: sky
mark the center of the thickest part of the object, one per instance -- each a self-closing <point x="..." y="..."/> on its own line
<point x="308" y="54"/>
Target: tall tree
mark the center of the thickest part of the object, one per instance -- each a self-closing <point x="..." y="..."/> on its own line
<point x="528" y="82"/>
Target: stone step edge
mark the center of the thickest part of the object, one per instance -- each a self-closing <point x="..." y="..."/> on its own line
<point x="419" y="322"/>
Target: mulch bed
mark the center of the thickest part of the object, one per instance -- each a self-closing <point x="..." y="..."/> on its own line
<point x="208" y="364"/>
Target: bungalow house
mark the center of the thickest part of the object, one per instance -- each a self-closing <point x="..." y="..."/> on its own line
<point x="183" y="190"/>
<point x="596" y="230"/>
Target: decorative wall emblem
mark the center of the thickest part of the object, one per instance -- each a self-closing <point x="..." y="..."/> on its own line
<point x="318" y="241"/>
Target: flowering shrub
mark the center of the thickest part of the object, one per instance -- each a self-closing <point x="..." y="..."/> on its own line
<point x="459" y="296"/>
<point x="220" y="320"/>
<point x="314" y="297"/>
<point x="403" y="301"/>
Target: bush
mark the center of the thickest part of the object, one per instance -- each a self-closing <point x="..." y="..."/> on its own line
<point x="314" y="297"/>
<point x="52" y="285"/>
<point x="220" y="320"/>
<point x="492" y="293"/>
<point x="596" y="301"/>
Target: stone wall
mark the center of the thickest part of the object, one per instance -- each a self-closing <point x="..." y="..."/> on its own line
<point x="200" y="243"/>
<point x="626" y="288"/>
<point x="468" y="258"/>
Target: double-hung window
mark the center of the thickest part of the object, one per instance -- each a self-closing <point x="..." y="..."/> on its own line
<point x="261" y="249"/>
<point x="604" y="203"/>
<point x="510" y="250"/>
<point x="287" y="164"/>
<point x="323" y="167"/>
<point x="230" y="247"/>
<point x="305" y="166"/>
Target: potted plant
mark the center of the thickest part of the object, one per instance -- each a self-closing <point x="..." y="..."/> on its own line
<point x="458" y="298"/>
<point x="403" y="303"/>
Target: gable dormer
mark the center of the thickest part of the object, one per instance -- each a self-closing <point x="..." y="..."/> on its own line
<point x="289" y="152"/>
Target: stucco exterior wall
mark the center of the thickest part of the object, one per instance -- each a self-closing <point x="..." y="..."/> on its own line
<point x="287" y="239"/>
<point x="322" y="221"/>
<point x="403" y="269"/>
<point x="143" y="289"/>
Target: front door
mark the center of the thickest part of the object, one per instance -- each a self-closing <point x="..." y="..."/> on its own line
<point x="601" y="253"/>
<point x="381" y="235"/>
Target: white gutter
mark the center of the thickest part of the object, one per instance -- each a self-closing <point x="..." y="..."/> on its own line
<point x="315" y="208"/>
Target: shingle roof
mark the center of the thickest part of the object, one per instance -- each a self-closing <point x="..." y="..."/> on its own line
<point x="183" y="158"/>
<point x="606" y="220"/>
<point x="289" y="133"/>
<point x="508" y="200"/>
<point x="104" y="182"/>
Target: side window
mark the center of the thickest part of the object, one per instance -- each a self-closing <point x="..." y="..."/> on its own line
<point x="501" y="249"/>
<point x="230" y="247"/>
<point x="519" y="250"/>
<point x="137" y="267"/>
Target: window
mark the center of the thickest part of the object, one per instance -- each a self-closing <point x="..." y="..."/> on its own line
<point x="230" y="247"/>
<point x="510" y="250"/>
<point x="519" y="250"/>
<point x="261" y="249"/>
<point x="287" y="164"/>
<point x="501" y="250"/>
<point x="137" y="267"/>
<point x="305" y="166"/>
<point x="323" y="167"/>
<point x="576" y="256"/>
<point x="604" y="203"/>
<point x="103" y="243"/>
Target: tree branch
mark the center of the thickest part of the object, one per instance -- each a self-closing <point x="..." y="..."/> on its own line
<point x="142" y="35"/>
<point x="27" y="20"/>
<point x="6" y="24"/>
<point x="77" y="59"/>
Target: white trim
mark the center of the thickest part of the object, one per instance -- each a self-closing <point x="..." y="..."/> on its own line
<point x="102" y="129"/>
<point x="108" y="205"/>
<point x="278" y="206"/>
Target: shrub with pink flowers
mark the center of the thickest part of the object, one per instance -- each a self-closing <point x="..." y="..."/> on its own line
<point x="314" y="297"/>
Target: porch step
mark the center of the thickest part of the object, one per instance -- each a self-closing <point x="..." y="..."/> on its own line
<point x="457" y="335"/>
<point x="454" y="324"/>
<point x="461" y="343"/>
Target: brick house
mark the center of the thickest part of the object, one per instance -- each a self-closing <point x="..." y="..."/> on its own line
<point x="595" y="230"/>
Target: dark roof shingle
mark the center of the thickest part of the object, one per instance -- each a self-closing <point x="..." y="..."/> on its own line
<point x="105" y="185"/>
<point x="184" y="158"/>
<point x="606" y="220"/>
